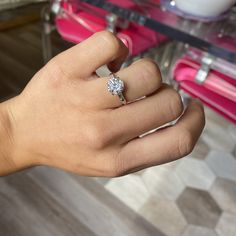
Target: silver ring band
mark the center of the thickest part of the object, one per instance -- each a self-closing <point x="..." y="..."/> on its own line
<point x="122" y="98"/>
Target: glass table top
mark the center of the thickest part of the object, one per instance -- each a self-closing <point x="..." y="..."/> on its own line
<point x="217" y="38"/>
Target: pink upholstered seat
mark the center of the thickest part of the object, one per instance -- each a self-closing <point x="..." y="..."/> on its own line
<point x="218" y="91"/>
<point x="77" y="25"/>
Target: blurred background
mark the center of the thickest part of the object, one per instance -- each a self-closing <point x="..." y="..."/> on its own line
<point x="195" y="46"/>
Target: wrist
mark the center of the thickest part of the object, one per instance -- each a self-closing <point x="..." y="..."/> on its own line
<point x="6" y="141"/>
<point x="12" y="157"/>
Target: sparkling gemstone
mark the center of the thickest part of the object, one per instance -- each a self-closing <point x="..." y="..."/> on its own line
<point x="115" y="86"/>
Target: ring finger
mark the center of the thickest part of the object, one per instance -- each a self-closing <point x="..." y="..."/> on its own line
<point x="140" y="79"/>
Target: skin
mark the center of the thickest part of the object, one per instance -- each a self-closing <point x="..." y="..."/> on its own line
<point x="66" y="118"/>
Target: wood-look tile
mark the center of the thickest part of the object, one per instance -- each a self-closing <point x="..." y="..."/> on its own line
<point x="18" y="51"/>
<point x="91" y="205"/>
<point x="26" y="209"/>
<point x="172" y="165"/>
<point x="15" y="73"/>
<point x="29" y="34"/>
<point x="224" y="192"/>
<point x="199" y="208"/>
<point x="134" y="221"/>
<point x="226" y="225"/>
<point x="195" y="173"/>
<point x="165" y="215"/>
<point x="102" y="180"/>
<point x="216" y="133"/>
<point x="234" y="152"/>
<point x="193" y="230"/>
<point x="163" y="182"/>
<point x="5" y="91"/>
<point x="215" y="118"/>
<point x="232" y="130"/>
<point x="129" y="189"/>
<point x="17" y="15"/>
<point x="223" y="164"/>
<point x="200" y="151"/>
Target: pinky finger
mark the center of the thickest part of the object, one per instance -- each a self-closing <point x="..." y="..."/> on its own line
<point x="164" y="145"/>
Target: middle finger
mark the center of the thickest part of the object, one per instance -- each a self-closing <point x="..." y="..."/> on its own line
<point x="139" y="117"/>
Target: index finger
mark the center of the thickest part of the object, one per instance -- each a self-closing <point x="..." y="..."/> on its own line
<point x="85" y="58"/>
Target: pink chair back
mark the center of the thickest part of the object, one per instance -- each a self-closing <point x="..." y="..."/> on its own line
<point x="218" y="91"/>
<point x="78" y="22"/>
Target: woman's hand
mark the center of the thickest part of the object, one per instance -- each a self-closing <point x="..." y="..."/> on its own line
<point x="66" y="118"/>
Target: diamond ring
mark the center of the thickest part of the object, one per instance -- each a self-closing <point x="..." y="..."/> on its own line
<point x="116" y="87"/>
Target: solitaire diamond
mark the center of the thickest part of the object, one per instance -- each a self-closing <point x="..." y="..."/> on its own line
<point x="115" y="86"/>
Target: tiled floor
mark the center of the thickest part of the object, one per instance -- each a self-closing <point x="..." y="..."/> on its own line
<point x="195" y="196"/>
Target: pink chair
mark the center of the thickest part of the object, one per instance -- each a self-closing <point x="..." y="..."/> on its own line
<point x="216" y="89"/>
<point x="77" y="22"/>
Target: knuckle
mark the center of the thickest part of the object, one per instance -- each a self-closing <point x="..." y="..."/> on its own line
<point x="111" y="41"/>
<point x="118" y="170"/>
<point x="175" y="104"/>
<point x="55" y="72"/>
<point x="114" y="172"/>
<point x="54" y="67"/>
<point x="185" y="142"/>
<point x="117" y="167"/>
<point x="150" y="73"/>
<point x="96" y="136"/>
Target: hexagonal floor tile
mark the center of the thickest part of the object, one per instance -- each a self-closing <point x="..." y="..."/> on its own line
<point x="201" y="150"/>
<point x="165" y="215"/>
<point x="234" y="152"/>
<point x="226" y="225"/>
<point x="214" y="117"/>
<point x="193" y="230"/>
<point x="139" y="173"/>
<point x="216" y="125"/>
<point x="199" y="208"/>
<point x="129" y="189"/>
<point x="223" y="164"/>
<point x="171" y="165"/>
<point x="195" y="173"/>
<point x="163" y="182"/>
<point x="102" y="180"/>
<point x="224" y="192"/>
<point x="232" y="130"/>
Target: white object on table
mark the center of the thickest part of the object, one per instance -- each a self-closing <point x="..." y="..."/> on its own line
<point x="205" y="8"/>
